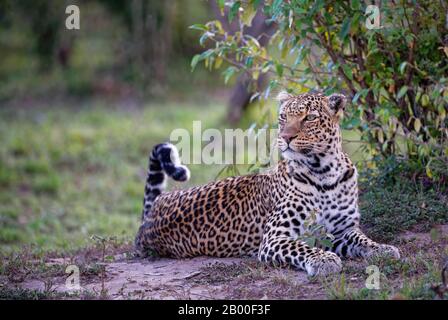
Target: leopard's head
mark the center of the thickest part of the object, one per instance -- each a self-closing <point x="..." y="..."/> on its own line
<point x="309" y="123"/>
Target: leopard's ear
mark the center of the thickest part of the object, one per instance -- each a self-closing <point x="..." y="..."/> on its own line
<point x="284" y="96"/>
<point x="337" y="104"/>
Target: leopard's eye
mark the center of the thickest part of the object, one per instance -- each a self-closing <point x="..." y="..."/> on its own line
<point x="311" y="117"/>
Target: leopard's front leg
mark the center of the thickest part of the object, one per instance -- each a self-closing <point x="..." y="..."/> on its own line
<point x="279" y="247"/>
<point x="298" y="254"/>
<point x="354" y="243"/>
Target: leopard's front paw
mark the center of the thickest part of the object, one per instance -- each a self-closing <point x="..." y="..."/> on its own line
<point x="325" y="263"/>
<point x="384" y="250"/>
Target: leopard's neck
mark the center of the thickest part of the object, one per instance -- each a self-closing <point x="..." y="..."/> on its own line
<point x="323" y="167"/>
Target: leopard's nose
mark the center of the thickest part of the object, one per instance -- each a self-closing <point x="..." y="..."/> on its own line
<point x="287" y="137"/>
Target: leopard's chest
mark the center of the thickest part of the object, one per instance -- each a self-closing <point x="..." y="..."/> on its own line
<point x="305" y="204"/>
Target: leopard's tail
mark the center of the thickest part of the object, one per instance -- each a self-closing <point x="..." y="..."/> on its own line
<point x="164" y="160"/>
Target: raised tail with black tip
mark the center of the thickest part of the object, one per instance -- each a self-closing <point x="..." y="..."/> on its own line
<point x="163" y="161"/>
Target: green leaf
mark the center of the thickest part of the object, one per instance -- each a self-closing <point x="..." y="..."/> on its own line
<point x="417" y="125"/>
<point x="355" y="4"/>
<point x="345" y="28"/>
<point x="266" y="66"/>
<point x="248" y="15"/>
<point x="221" y="5"/>
<point x="429" y="174"/>
<point x="425" y="100"/>
<point x="326" y="242"/>
<point x="199" y="26"/>
<point x="204" y="37"/>
<point x="195" y="61"/>
<point x="299" y="10"/>
<point x="402" y="92"/>
<point x="348" y="71"/>
<point x="402" y="67"/>
<point x="329" y="91"/>
<point x="218" y="62"/>
<point x="276" y="7"/>
<point x="311" y="241"/>
<point x="442" y="111"/>
<point x="249" y="62"/>
<point x="228" y="73"/>
<point x="279" y="69"/>
<point x="361" y="93"/>
<point x="199" y="57"/>
<point x="234" y="11"/>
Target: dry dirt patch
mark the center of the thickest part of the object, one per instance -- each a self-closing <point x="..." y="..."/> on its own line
<point x="197" y="278"/>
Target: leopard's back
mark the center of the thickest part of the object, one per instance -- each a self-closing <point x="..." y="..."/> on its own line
<point x="223" y="218"/>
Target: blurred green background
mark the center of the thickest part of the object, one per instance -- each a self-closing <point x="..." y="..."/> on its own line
<point x="81" y="109"/>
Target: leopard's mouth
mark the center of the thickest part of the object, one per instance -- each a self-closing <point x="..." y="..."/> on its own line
<point x="305" y="150"/>
<point x="289" y="153"/>
<point x="284" y="148"/>
<point x="302" y="150"/>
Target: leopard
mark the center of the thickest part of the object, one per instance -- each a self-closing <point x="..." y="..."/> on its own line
<point x="264" y="215"/>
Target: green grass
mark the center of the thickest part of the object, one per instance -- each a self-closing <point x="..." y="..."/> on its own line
<point x="413" y="277"/>
<point x="68" y="174"/>
<point x="27" y="294"/>
<point x="391" y="202"/>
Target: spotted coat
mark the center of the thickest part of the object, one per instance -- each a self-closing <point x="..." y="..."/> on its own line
<point x="264" y="214"/>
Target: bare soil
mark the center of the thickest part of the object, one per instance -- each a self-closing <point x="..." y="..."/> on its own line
<point x="125" y="277"/>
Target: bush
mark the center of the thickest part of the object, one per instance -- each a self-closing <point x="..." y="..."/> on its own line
<point x="396" y="75"/>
